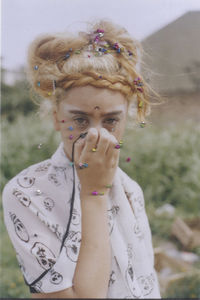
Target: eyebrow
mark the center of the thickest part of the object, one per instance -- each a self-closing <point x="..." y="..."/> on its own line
<point x="117" y="112"/>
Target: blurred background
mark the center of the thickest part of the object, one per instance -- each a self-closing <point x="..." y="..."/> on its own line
<point x="165" y="155"/>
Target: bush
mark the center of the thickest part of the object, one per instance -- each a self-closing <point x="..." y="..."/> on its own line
<point x="165" y="162"/>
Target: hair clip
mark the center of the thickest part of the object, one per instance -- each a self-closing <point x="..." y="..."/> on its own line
<point x="138" y="82"/>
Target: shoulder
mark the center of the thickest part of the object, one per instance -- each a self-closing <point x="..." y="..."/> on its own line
<point x="24" y="180"/>
<point x="129" y="183"/>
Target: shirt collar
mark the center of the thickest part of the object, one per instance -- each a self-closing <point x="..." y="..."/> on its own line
<point x="59" y="158"/>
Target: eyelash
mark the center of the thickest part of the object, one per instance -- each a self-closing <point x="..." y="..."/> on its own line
<point x="80" y="124"/>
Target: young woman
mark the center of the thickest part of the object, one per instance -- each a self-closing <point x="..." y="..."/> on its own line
<point x="76" y="220"/>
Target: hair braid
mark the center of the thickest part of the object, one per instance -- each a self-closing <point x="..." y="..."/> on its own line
<point x="113" y="71"/>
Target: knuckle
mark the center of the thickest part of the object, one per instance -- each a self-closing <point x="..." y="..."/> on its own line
<point x="92" y="134"/>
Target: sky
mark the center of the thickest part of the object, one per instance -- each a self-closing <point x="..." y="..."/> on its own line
<point x="23" y="20"/>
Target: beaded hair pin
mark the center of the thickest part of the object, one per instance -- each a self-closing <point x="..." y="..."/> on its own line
<point x="98" y="46"/>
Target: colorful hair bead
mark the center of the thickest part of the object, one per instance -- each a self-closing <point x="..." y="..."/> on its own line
<point x="140" y="105"/>
<point x="100" y="30"/>
<point x="128" y="159"/>
<point x="70" y="127"/>
<point x="94" y="149"/>
<point x="94" y="193"/>
<point x="140" y="90"/>
<point x="71" y="137"/>
<point x="62" y="121"/>
<point x="67" y="55"/>
<point x="36" y="68"/>
<point x="117" y="146"/>
<point x="116" y="46"/>
<point x="49" y="93"/>
<point x="71" y="163"/>
<point x="38" y="83"/>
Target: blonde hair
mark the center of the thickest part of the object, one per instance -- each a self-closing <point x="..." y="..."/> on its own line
<point x="50" y="73"/>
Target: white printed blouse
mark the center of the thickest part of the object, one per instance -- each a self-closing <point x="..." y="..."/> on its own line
<point x="37" y="204"/>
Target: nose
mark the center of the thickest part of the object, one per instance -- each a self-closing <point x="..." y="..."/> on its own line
<point x="97" y="125"/>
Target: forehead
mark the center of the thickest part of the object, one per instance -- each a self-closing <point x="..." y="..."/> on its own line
<point x="87" y="97"/>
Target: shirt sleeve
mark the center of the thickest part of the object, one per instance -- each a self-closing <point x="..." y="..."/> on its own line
<point x="37" y="246"/>
<point x="138" y="204"/>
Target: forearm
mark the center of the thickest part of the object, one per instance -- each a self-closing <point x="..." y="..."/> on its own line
<point x="93" y="267"/>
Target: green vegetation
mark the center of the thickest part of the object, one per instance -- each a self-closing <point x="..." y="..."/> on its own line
<point x="164" y="161"/>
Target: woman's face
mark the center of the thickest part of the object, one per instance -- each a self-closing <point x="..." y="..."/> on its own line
<point x="84" y="107"/>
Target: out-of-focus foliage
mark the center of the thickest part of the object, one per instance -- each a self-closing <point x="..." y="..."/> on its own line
<point x="15" y="99"/>
<point x="166" y="163"/>
<point x="185" y="288"/>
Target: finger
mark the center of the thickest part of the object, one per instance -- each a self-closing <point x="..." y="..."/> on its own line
<point x="104" y="140"/>
<point x="112" y="152"/>
<point x="90" y="141"/>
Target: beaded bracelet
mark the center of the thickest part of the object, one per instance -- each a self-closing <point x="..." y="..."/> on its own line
<point x="95" y="193"/>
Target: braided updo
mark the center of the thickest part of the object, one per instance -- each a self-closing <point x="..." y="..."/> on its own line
<point x="59" y="62"/>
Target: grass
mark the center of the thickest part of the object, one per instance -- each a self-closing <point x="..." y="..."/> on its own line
<point x="164" y="161"/>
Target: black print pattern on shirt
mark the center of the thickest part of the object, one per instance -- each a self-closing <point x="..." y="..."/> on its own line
<point x="111" y="215"/>
<point x="26" y="181"/>
<point x="43" y="167"/>
<point x="112" y="278"/>
<point x="61" y="171"/>
<point x="137" y="230"/>
<point x="20" y="229"/>
<point x="130" y="276"/>
<point x="23" y="198"/>
<point x="37" y="287"/>
<point x="55" y="277"/>
<point x="48" y="203"/>
<point x="53" y="178"/>
<point x="75" y="217"/>
<point x="72" y="245"/>
<point x="138" y="205"/>
<point x="44" y="255"/>
<point x="146" y="284"/>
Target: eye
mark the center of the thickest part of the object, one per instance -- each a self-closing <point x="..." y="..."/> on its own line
<point x="111" y="121"/>
<point x="81" y="122"/>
